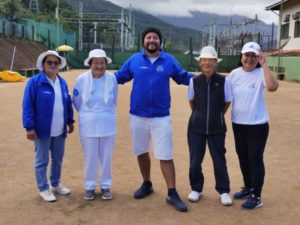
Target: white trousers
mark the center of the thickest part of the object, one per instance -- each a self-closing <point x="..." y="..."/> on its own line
<point x="97" y="149"/>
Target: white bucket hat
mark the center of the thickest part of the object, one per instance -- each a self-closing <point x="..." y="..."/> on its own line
<point x="97" y="53"/>
<point x="251" y="47"/>
<point x="208" y="52"/>
<point x="39" y="62"/>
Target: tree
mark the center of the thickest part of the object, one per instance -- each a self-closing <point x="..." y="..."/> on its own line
<point x="25" y="3"/>
<point x="12" y="9"/>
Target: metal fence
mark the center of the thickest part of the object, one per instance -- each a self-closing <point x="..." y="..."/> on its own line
<point x="50" y="35"/>
<point x="53" y="35"/>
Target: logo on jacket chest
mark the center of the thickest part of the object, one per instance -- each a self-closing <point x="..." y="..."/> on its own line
<point x="160" y="68"/>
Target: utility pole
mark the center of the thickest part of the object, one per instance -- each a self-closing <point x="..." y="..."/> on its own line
<point x="279" y="39"/>
<point x="95" y="32"/>
<point x="80" y="27"/>
<point x="126" y="34"/>
<point x="130" y="27"/>
<point x="133" y="32"/>
<point x="255" y="24"/>
<point x="272" y="35"/>
<point x="212" y="32"/>
<point x="57" y="22"/>
<point x="122" y="21"/>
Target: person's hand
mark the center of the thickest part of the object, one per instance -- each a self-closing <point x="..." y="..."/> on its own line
<point x="31" y="135"/>
<point x="70" y="128"/>
<point x="262" y="58"/>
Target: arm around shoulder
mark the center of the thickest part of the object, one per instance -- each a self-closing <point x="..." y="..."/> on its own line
<point x="124" y="75"/>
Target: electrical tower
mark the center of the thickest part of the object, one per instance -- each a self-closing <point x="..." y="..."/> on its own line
<point x="97" y="30"/>
<point x="229" y="39"/>
<point x="34" y="6"/>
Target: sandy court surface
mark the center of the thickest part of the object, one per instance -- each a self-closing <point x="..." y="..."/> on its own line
<point x="20" y="203"/>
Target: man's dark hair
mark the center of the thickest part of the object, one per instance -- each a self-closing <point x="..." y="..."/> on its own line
<point x="149" y="30"/>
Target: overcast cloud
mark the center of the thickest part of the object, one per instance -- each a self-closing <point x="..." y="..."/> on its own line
<point x="222" y="7"/>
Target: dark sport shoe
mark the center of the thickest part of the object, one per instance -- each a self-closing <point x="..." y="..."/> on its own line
<point x="176" y="201"/>
<point x="106" y="194"/>
<point x="242" y="193"/>
<point x="253" y="202"/>
<point x="89" y="195"/>
<point x="143" y="191"/>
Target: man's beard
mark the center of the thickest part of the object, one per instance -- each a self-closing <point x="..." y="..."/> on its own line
<point x="152" y="49"/>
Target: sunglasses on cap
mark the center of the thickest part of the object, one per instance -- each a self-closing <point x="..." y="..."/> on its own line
<point x="55" y="63"/>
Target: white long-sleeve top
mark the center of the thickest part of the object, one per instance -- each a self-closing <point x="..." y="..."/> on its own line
<point x="95" y="99"/>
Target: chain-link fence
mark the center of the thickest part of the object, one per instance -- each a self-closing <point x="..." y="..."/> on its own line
<point x="50" y="35"/>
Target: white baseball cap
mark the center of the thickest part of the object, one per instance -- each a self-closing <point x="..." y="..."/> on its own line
<point x="251" y="47"/>
<point x="39" y="62"/>
<point x="97" y="53"/>
<point x="208" y="52"/>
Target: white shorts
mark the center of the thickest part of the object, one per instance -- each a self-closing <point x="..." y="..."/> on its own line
<point x="158" y="130"/>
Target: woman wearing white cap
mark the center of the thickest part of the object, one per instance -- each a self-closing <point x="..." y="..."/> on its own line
<point x="250" y="119"/>
<point x="95" y="98"/>
<point x="47" y="112"/>
<point x="208" y="99"/>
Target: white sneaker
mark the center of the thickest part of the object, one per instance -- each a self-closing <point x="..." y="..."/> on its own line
<point x="48" y="196"/>
<point x="194" y="196"/>
<point x="226" y="199"/>
<point x="61" y="190"/>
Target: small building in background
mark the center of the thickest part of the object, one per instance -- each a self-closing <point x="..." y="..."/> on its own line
<point x="289" y="23"/>
<point x="285" y="60"/>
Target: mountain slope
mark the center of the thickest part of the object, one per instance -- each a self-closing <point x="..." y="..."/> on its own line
<point x="178" y="30"/>
<point x="176" y="35"/>
<point x="25" y="55"/>
<point x="200" y="19"/>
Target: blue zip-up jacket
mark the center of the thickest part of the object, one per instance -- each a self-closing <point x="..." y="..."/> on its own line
<point x="38" y="103"/>
<point x="150" y="95"/>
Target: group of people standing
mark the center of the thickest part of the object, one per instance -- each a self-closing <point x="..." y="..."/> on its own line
<point x="48" y="117"/>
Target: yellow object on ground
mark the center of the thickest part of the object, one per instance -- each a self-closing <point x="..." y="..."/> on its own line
<point x="11" y="76"/>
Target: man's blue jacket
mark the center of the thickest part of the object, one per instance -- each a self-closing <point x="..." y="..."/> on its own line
<point x="150" y="95"/>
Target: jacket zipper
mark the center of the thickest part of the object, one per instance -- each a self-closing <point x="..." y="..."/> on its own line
<point x="208" y="100"/>
<point x="151" y="92"/>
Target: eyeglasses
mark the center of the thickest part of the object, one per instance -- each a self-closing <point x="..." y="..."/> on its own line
<point x="55" y="63"/>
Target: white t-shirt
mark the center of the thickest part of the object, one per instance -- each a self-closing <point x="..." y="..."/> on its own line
<point x="191" y="92"/>
<point x="153" y="59"/>
<point x="247" y="94"/>
<point x="57" y="124"/>
<point x="97" y="116"/>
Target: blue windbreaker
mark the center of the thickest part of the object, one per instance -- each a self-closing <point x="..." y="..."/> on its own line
<point x="38" y="103"/>
<point x="150" y="95"/>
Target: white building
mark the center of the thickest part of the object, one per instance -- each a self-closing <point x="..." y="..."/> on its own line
<point x="289" y="23"/>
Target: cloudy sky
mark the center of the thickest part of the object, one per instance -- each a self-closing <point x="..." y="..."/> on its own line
<point x="223" y="7"/>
